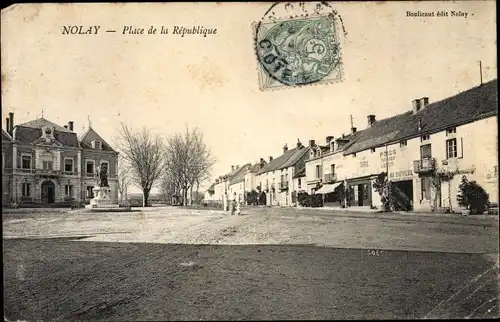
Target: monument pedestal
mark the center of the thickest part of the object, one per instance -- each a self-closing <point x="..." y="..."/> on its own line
<point x="102" y="199"/>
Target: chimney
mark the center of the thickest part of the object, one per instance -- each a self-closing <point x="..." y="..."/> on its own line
<point x="11" y="117"/>
<point x="7" y="125"/>
<point x="70" y="125"/>
<point x="415" y="105"/>
<point x="371" y="120"/>
<point x="328" y="139"/>
<point x="232" y="168"/>
<point x="311" y="143"/>
<point x="353" y="130"/>
<point x="236" y="167"/>
<point x="299" y="144"/>
<point x="270" y="158"/>
<point x="424" y="101"/>
<point x="285" y="148"/>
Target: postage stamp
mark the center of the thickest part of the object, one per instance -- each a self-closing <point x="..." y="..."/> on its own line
<point x="298" y="44"/>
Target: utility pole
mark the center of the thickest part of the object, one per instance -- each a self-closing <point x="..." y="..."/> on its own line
<point x="481" y="72"/>
<point x="352" y="123"/>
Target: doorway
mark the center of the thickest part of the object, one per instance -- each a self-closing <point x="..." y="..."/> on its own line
<point x="48" y="192"/>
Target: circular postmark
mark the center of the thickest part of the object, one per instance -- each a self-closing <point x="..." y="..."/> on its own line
<point x="297" y="43"/>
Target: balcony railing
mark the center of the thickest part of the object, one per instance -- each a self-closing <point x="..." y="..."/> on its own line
<point x="284" y="185"/>
<point x="330" y="178"/>
<point x="424" y="165"/>
<point x="21" y="170"/>
<point x="48" y="172"/>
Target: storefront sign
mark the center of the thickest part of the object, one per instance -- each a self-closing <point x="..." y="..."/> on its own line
<point x="401" y="175"/>
<point x="387" y="157"/>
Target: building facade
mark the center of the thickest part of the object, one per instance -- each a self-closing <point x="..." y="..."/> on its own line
<point x="47" y="164"/>
<point x="456" y="136"/>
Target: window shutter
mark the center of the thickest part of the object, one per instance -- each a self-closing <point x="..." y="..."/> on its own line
<point x="460" y="147"/>
<point x="418" y="189"/>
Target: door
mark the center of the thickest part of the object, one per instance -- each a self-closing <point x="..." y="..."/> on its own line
<point x="361" y="189"/>
<point x="48" y="192"/>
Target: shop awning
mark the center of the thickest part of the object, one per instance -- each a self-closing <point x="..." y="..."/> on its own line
<point x="328" y="188"/>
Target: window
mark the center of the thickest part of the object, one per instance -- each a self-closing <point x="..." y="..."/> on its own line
<point x="403" y="144"/>
<point x="332" y="168"/>
<point x="332" y="146"/>
<point x="426" y="188"/>
<point x="47" y="165"/>
<point x="90" y="167"/>
<point x="90" y="192"/>
<point x="68" y="165"/>
<point x="373" y="150"/>
<point x="318" y="171"/>
<point x="425" y="151"/>
<point x="97" y="145"/>
<point x="26" y="162"/>
<point x="68" y="190"/>
<point x="425" y="137"/>
<point x="451" y="130"/>
<point x="300" y="183"/>
<point x="451" y="148"/>
<point x="26" y="189"/>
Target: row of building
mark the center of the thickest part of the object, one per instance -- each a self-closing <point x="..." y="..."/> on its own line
<point x="44" y="163"/>
<point x="456" y="136"/>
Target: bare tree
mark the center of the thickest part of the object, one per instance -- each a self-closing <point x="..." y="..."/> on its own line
<point x="124" y="177"/>
<point x="188" y="160"/>
<point x="143" y="151"/>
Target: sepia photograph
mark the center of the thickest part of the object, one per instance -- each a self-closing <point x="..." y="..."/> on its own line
<point x="250" y="161"/>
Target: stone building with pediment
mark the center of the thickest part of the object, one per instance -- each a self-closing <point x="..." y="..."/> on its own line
<point x="45" y="164"/>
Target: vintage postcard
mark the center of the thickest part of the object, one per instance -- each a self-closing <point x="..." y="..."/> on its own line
<point x="250" y="161"/>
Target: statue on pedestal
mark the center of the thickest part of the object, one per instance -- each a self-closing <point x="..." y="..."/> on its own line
<point x="102" y="176"/>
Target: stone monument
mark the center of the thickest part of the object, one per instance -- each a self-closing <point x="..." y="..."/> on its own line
<point x="102" y="191"/>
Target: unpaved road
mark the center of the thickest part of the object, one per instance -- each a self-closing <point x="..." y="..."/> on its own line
<point x="178" y="264"/>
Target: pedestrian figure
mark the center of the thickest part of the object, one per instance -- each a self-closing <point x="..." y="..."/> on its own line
<point x="233" y="204"/>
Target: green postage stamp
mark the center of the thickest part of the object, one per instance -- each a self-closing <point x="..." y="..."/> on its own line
<point x="302" y="49"/>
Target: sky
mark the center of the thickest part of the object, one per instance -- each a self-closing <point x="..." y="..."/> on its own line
<point x="165" y="82"/>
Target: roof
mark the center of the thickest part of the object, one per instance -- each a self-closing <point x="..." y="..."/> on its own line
<point x="256" y="167"/>
<point x="31" y="134"/>
<point x="300" y="173"/>
<point x="240" y="174"/>
<point x="6" y="136"/>
<point x="274" y="164"/>
<point x="90" y="135"/>
<point x="40" y="122"/>
<point x="462" y="108"/>
<point x="211" y="188"/>
<point x="295" y="157"/>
